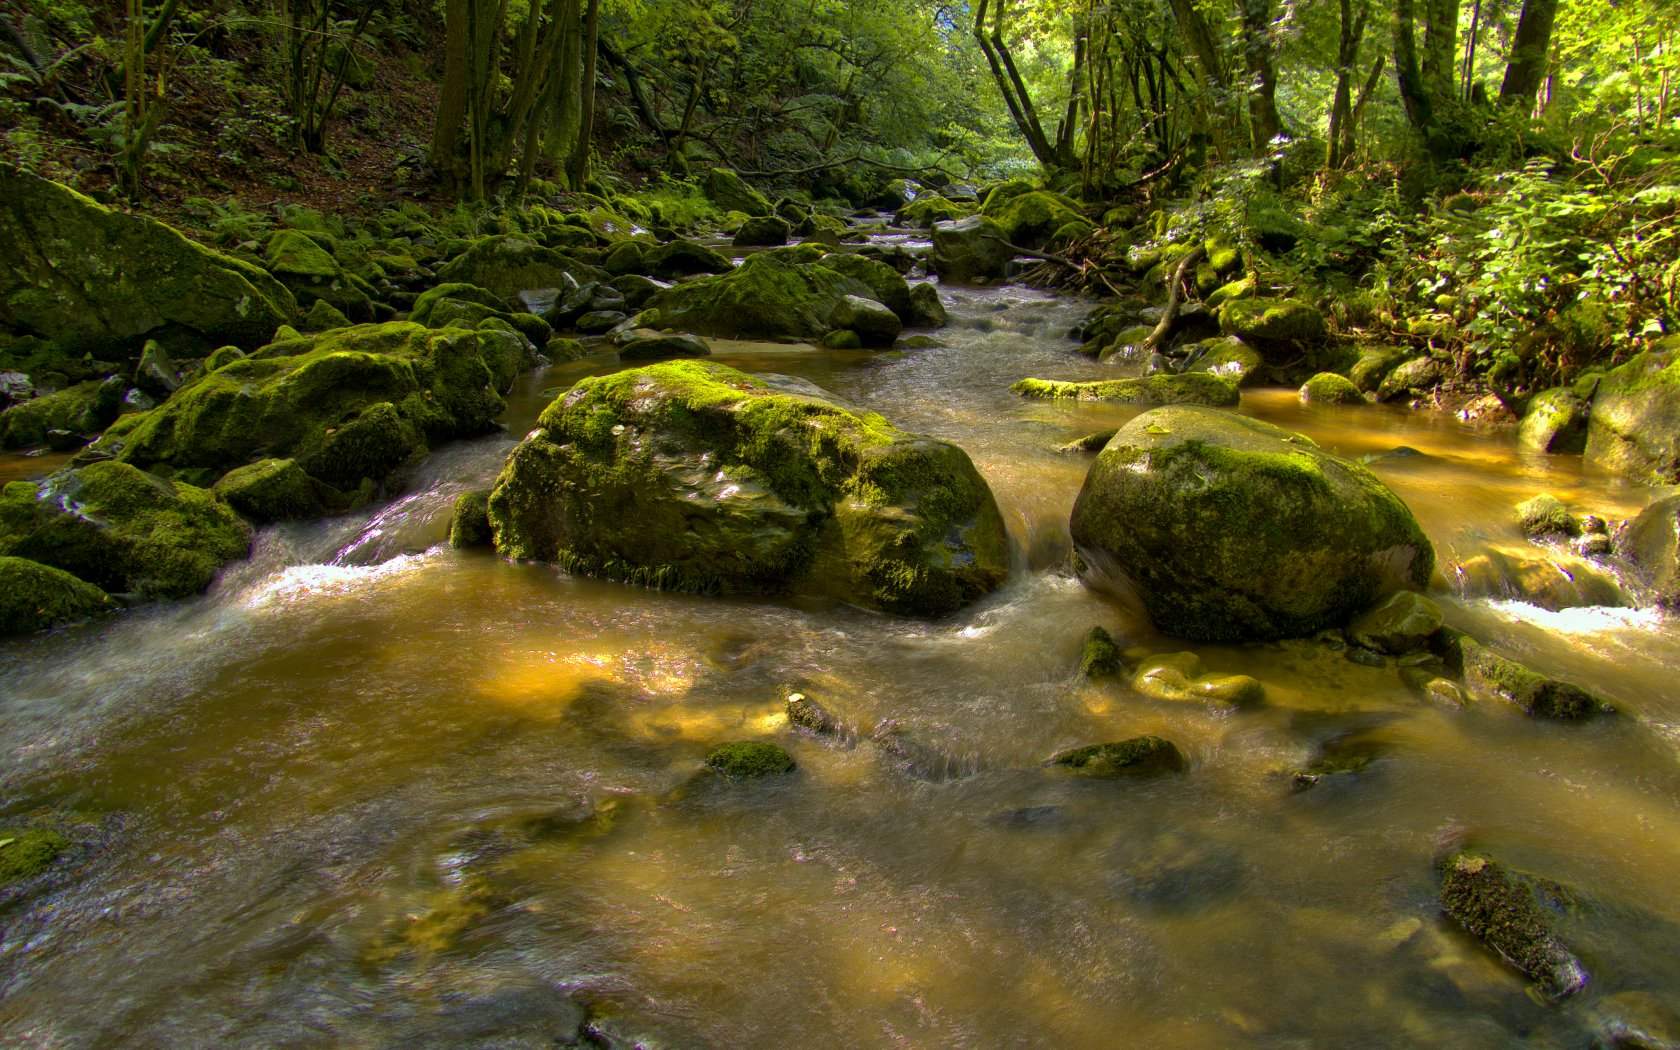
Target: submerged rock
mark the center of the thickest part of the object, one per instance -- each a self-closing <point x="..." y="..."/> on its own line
<point x="1179" y="677"/>
<point x="1230" y="528"/>
<point x="1141" y="756"/>
<point x="122" y="529"/>
<point x="1402" y="623"/>
<point x="1099" y="657"/>
<point x="87" y="278"/>
<point x="1502" y="910"/>
<point x="1190" y="388"/>
<point x="693" y="476"/>
<point x="35" y="597"/>
<point x="1488" y="675"/>
<point x="748" y="759"/>
<point x="27" y="852"/>
<point x="1545" y="515"/>
<point x="1548" y="579"/>
<point x="1635" y="426"/>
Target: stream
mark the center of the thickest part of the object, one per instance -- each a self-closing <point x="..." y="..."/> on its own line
<point x="371" y="791"/>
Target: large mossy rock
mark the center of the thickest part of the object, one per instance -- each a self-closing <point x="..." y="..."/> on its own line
<point x="1652" y="544"/>
<point x="886" y="285"/>
<point x="1273" y="326"/>
<point x="730" y="192"/>
<point x="508" y="264"/>
<point x="1512" y="914"/>
<point x="1635" y="427"/>
<point x="305" y="266"/>
<point x="930" y="208"/>
<point x="971" y="249"/>
<point x="351" y="407"/>
<point x="88" y="278"/>
<point x="1556" y="421"/>
<point x="1232" y="529"/>
<point x="122" y="529"/>
<point x="771" y="295"/>
<point x="85" y="408"/>
<point x="1190" y="388"/>
<point x="694" y="476"/>
<point x="34" y="597"/>
<point x="1028" y="219"/>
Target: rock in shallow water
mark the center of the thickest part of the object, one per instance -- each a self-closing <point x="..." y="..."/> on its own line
<point x="1141" y="756"/>
<point x="1233" y="529"/>
<point x="694" y="476"/>
<point x="1501" y="909"/>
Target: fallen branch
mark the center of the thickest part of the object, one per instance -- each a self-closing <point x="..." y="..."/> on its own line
<point x="1175" y="298"/>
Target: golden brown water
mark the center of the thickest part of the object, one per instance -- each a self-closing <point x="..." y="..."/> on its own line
<point x="374" y="792"/>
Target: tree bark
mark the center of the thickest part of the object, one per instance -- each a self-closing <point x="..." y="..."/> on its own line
<point x="586" y="101"/>
<point x="452" y="96"/>
<point x="1263" y="120"/>
<point x="1527" y="65"/>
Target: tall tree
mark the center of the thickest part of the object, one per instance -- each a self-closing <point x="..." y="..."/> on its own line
<point x="1263" y="120"/>
<point x="1527" y="65"/>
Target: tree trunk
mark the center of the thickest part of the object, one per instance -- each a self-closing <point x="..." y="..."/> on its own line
<point x="1337" y="147"/>
<point x="1010" y="84"/>
<point x="452" y="96"/>
<point x="1263" y="120"/>
<point x="586" y="125"/>
<point x="1527" y="66"/>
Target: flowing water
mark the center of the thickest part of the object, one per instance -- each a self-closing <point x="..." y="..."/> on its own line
<point x="371" y="791"/>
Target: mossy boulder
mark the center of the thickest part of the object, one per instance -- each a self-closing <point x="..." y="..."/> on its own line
<point x="458" y="304"/>
<point x="1141" y="756"/>
<point x="85" y="408"/>
<point x="1509" y="913"/>
<point x="1556" y="422"/>
<point x="27" y="852"/>
<point x="352" y="406"/>
<point x="122" y="529"/>
<point x="1373" y="366"/>
<point x="1029" y="219"/>
<point x="1099" y="657"/>
<point x="1634" y="431"/>
<point x="1412" y="378"/>
<point x="507" y="264"/>
<point x="88" y="278"/>
<point x="1328" y="388"/>
<point x="1231" y="529"/>
<point x="1404" y="622"/>
<point x="930" y="208"/>
<point x="1651" y="544"/>
<point x="1488" y="675"/>
<point x="272" y="490"/>
<point x="693" y="476"/>
<point x="35" y="597"/>
<point x="303" y="265"/>
<point x="1274" y="326"/>
<point x="684" y="259"/>
<point x="749" y="759"/>
<point x="1189" y="388"/>
<point x="763" y="231"/>
<point x="1545" y="515"/>
<point x="769" y="296"/>
<point x="886" y="285"/>
<point x="469" y="523"/>
<point x="970" y="250"/>
<point x="1180" y="678"/>
<point x="872" y="323"/>
<point x="1227" y="357"/>
<point x="926" y="308"/>
<point x="730" y="192"/>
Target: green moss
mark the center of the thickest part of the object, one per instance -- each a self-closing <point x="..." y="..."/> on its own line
<point x="507" y="264"/>
<point x="1138" y="757"/>
<point x="1499" y="908"/>
<point x="1273" y="322"/>
<point x="1556" y="422"/>
<point x="1328" y="388"/>
<point x="469" y="525"/>
<point x="1634" y="431"/>
<point x="1099" y="657"/>
<point x="1227" y="357"/>
<point x="1545" y="515"/>
<point x="271" y="490"/>
<point x="27" y="852"/>
<point x="746" y="759"/>
<point x="85" y="408"/>
<point x="886" y="285"/>
<point x="292" y="253"/>
<point x="1029" y="219"/>
<point x="1489" y="674"/>
<point x="968" y="250"/>
<point x="769" y="296"/>
<point x="1373" y="366"/>
<point x="36" y="597"/>
<point x="730" y="192"/>
<point x="930" y="208"/>
<point x="122" y="529"/>
<point x="1193" y="388"/>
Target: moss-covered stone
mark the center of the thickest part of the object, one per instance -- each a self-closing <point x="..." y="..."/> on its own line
<point x="684" y="259"/>
<point x="299" y="262"/>
<point x="886" y="285"/>
<point x="85" y="408"/>
<point x="1141" y="756"/>
<point x="469" y="524"/>
<point x="926" y="309"/>
<point x="763" y="231"/>
<point x="730" y="192"/>
<point x="456" y="303"/>
<point x="1412" y="378"/>
<point x="769" y="296"/>
<point x="1488" y="675"/>
<point x="874" y="324"/>
<point x="1373" y="366"/>
<point x="1502" y="909"/>
<point x="507" y="264"/>
<point x="1227" y="357"/>
<point x="970" y="250"/>
<point x="1634" y="431"/>
<point x="27" y="852"/>
<point x="1328" y="388"/>
<point x="272" y="490"/>
<point x="749" y="759"/>
<point x="1231" y="528"/>
<point x="1556" y="422"/>
<point x="122" y="529"/>
<point x="1549" y="579"/>
<point x="1545" y="515"/>
<point x="690" y="475"/>
<point x="88" y="278"/>
<point x="1189" y="388"/>
<point x="930" y="208"/>
<point x="1652" y="544"/>
<point x="1029" y="219"/>
<point x="1180" y="678"/>
<point x="353" y="405"/>
<point x="1273" y="325"/>
<point x="1404" y="622"/>
<point x="35" y="597"/>
<point x="1099" y="657"/>
<point x="1092" y="442"/>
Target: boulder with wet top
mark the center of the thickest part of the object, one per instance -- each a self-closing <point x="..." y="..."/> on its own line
<point x="1229" y="528"/>
<point x="693" y="476"/>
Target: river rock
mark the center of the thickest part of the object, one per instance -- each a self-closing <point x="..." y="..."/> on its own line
<point x="1635" y="426"/>
<point x="90" y="279"/>
<point x="968" y="250"/>
<point x="1412" y="378"/>
<point x="352" y="407"/>
<point x="693" y="476"/>
<point x="1549" y="579"/>
<point x="764" y="231"/>
<point x="1189" y="388"/>
<point x="930" y="208"/>
<point x="1545" y="515"/>
<point x="85" y="408"/>
<point x="271" y="490"/>
<point x="122" y="529"/>
<point x="28" y="853"/>
<point x="35" y="597"/>
<point x="886" y="285"/>
<point x="730" y="192"/>
<point x="306" y="267"/>
<point x="769" y="296"/>
<point x="1230" y="528"/>
<point x="1487" y="675"/>
<point x="469" y="521"/>
<point x="1179" y="677"/>
<point x="872" y="322"/>
<point x="1273" y="326"/>
<point x="1403" y="622"/>
<point x="926" y="309"/>
<point x="1329" y="388"/>
<point x="507" y="264"/>
<point x="749" y="760"/>
<point x="1651" y="543"/>
<point x="1142" y="756"/>
<point x="685" y="259"/>
<point x="1635" y="1021"/>
<point x="1029" y="219"/>
<point x="1099" y="657"/>
<point x="1503" y="910"/>
<point x="1227" y="357"/>
<point x="1556" y="421"/>
<point x="659" y="346"/>
<point x="458" y="304"/>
